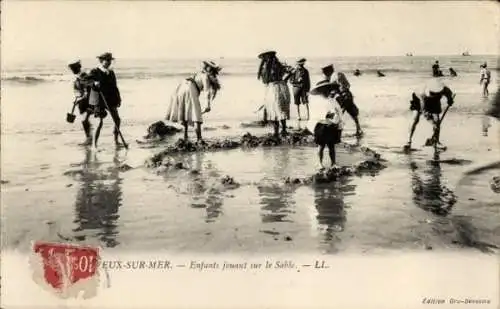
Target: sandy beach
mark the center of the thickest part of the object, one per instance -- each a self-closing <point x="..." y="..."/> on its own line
<point x="62" y="191"/>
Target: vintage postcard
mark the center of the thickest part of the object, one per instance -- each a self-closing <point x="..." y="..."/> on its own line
<point x="240" y="154"/>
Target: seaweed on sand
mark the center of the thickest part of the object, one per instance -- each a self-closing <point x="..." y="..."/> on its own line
<point x="302" y="137"/>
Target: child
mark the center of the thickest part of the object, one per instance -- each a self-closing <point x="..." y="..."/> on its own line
<point x="328" y="131"/>
<point x="485" y="79"/>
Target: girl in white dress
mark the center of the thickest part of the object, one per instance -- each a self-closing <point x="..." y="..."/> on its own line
<point x="185" y="105"/>
<point x="328" y="131"/>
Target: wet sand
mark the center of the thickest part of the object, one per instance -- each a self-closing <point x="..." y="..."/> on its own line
<point x="247" y="199"/>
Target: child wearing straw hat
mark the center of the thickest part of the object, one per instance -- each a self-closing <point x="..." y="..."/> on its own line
<point x="273" y="75"/>
<point x="185" y="105"/>
<point x="328" y="131"/>
<point x="105" y="95"/>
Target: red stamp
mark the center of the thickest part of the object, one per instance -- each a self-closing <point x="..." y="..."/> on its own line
<point x="67" y="269"/>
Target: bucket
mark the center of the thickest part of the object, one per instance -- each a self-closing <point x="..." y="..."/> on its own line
<point x="70" y="118"/>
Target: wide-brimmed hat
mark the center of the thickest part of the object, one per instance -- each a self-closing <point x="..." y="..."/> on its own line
<point x="323" y="87"/>
<point x="214" y="66"/>
<point x="267" y="53"/>
<point x="106" y="56"/>
<point x="74" y="64"/>
<point x="301" y="61"/>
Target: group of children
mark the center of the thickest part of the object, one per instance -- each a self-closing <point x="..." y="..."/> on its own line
<point x="97" y="94"/>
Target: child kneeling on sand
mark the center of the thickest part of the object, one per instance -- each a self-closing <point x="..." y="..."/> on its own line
<point x="328" y="131"/>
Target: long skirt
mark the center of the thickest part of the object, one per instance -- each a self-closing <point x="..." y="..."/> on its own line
<point x="185" y="105"/>
<point x="278" y="101"/>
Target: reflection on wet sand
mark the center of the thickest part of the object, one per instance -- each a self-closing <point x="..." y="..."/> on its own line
<point x="98" y="200"/>
<point x="429" y="192"/>
<point x="329" y="202"/>
<point x="275" y="200"/>
<point x="202" y="194"/>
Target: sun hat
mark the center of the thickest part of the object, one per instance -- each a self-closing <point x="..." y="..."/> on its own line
<point x="212" y="65"/>
<point x="267" y="53"/>
<point x="323" y="87"/>
<point x="329" y="69"/>
<point x="301" y="61"/>
<point x="74" y="64"/>
<point x="106" y="56"/>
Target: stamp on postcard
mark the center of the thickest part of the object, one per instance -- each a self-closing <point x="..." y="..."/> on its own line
<point x="67" y="270"/>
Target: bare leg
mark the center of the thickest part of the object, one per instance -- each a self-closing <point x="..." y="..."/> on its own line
<point x="198" y="131"/>
<point x="358" y="126"/>
<point x="117" y="121"/>
<point x="283" y="127"/>
<point x="320" y="154"/>
<point x="307" y="108"/>
<point x="298" y="112"/>
<point x="86" y="129"/>
<point x="413" y="127"/>
<point x="331" y="151"/>
<point x="185" y="124"/>
<point x="276" y="126"/>
<point x="98" y="132"/>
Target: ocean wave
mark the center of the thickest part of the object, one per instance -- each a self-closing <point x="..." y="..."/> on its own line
<point x="25" y="79"/>
<point x="145" y="74"/>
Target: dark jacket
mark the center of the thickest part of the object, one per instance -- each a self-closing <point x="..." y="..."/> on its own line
<point x="300" y="79"/>
<point x="107" y="86"/>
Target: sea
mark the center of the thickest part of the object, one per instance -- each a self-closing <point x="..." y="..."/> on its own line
<point x="52" y="188"/>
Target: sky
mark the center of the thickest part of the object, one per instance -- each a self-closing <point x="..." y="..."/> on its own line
<point x="159" y="29"/>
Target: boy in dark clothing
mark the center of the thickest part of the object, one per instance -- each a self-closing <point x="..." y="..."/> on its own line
<point x="106" y="94"/>
<point x="81" y="88"/>
<point x="301" y="84"/>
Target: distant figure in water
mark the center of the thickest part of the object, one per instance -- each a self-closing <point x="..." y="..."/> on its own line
<point x="274" y="75"/>
<point x="485" y="79"/>
<point x="380" y="74"/>
<point x="428" y="102"/>
<point x="301" y="84"/>
<point x="453" y="73"/>
<point x="357" y="72"/>
<point x="81" y="88"/>
<point x="185" y="105"/>
<point x="328" y="131"/>
<point x="436" y="72"/>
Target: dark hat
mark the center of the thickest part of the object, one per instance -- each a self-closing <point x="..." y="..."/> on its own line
<point x="301" y="61"/>
<point x="106" y="56"/>
<point x="323" y="87"/>
<point x="328" y="69"/>
<point x="74" y="64"/>
<point x="267" y="53"/>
